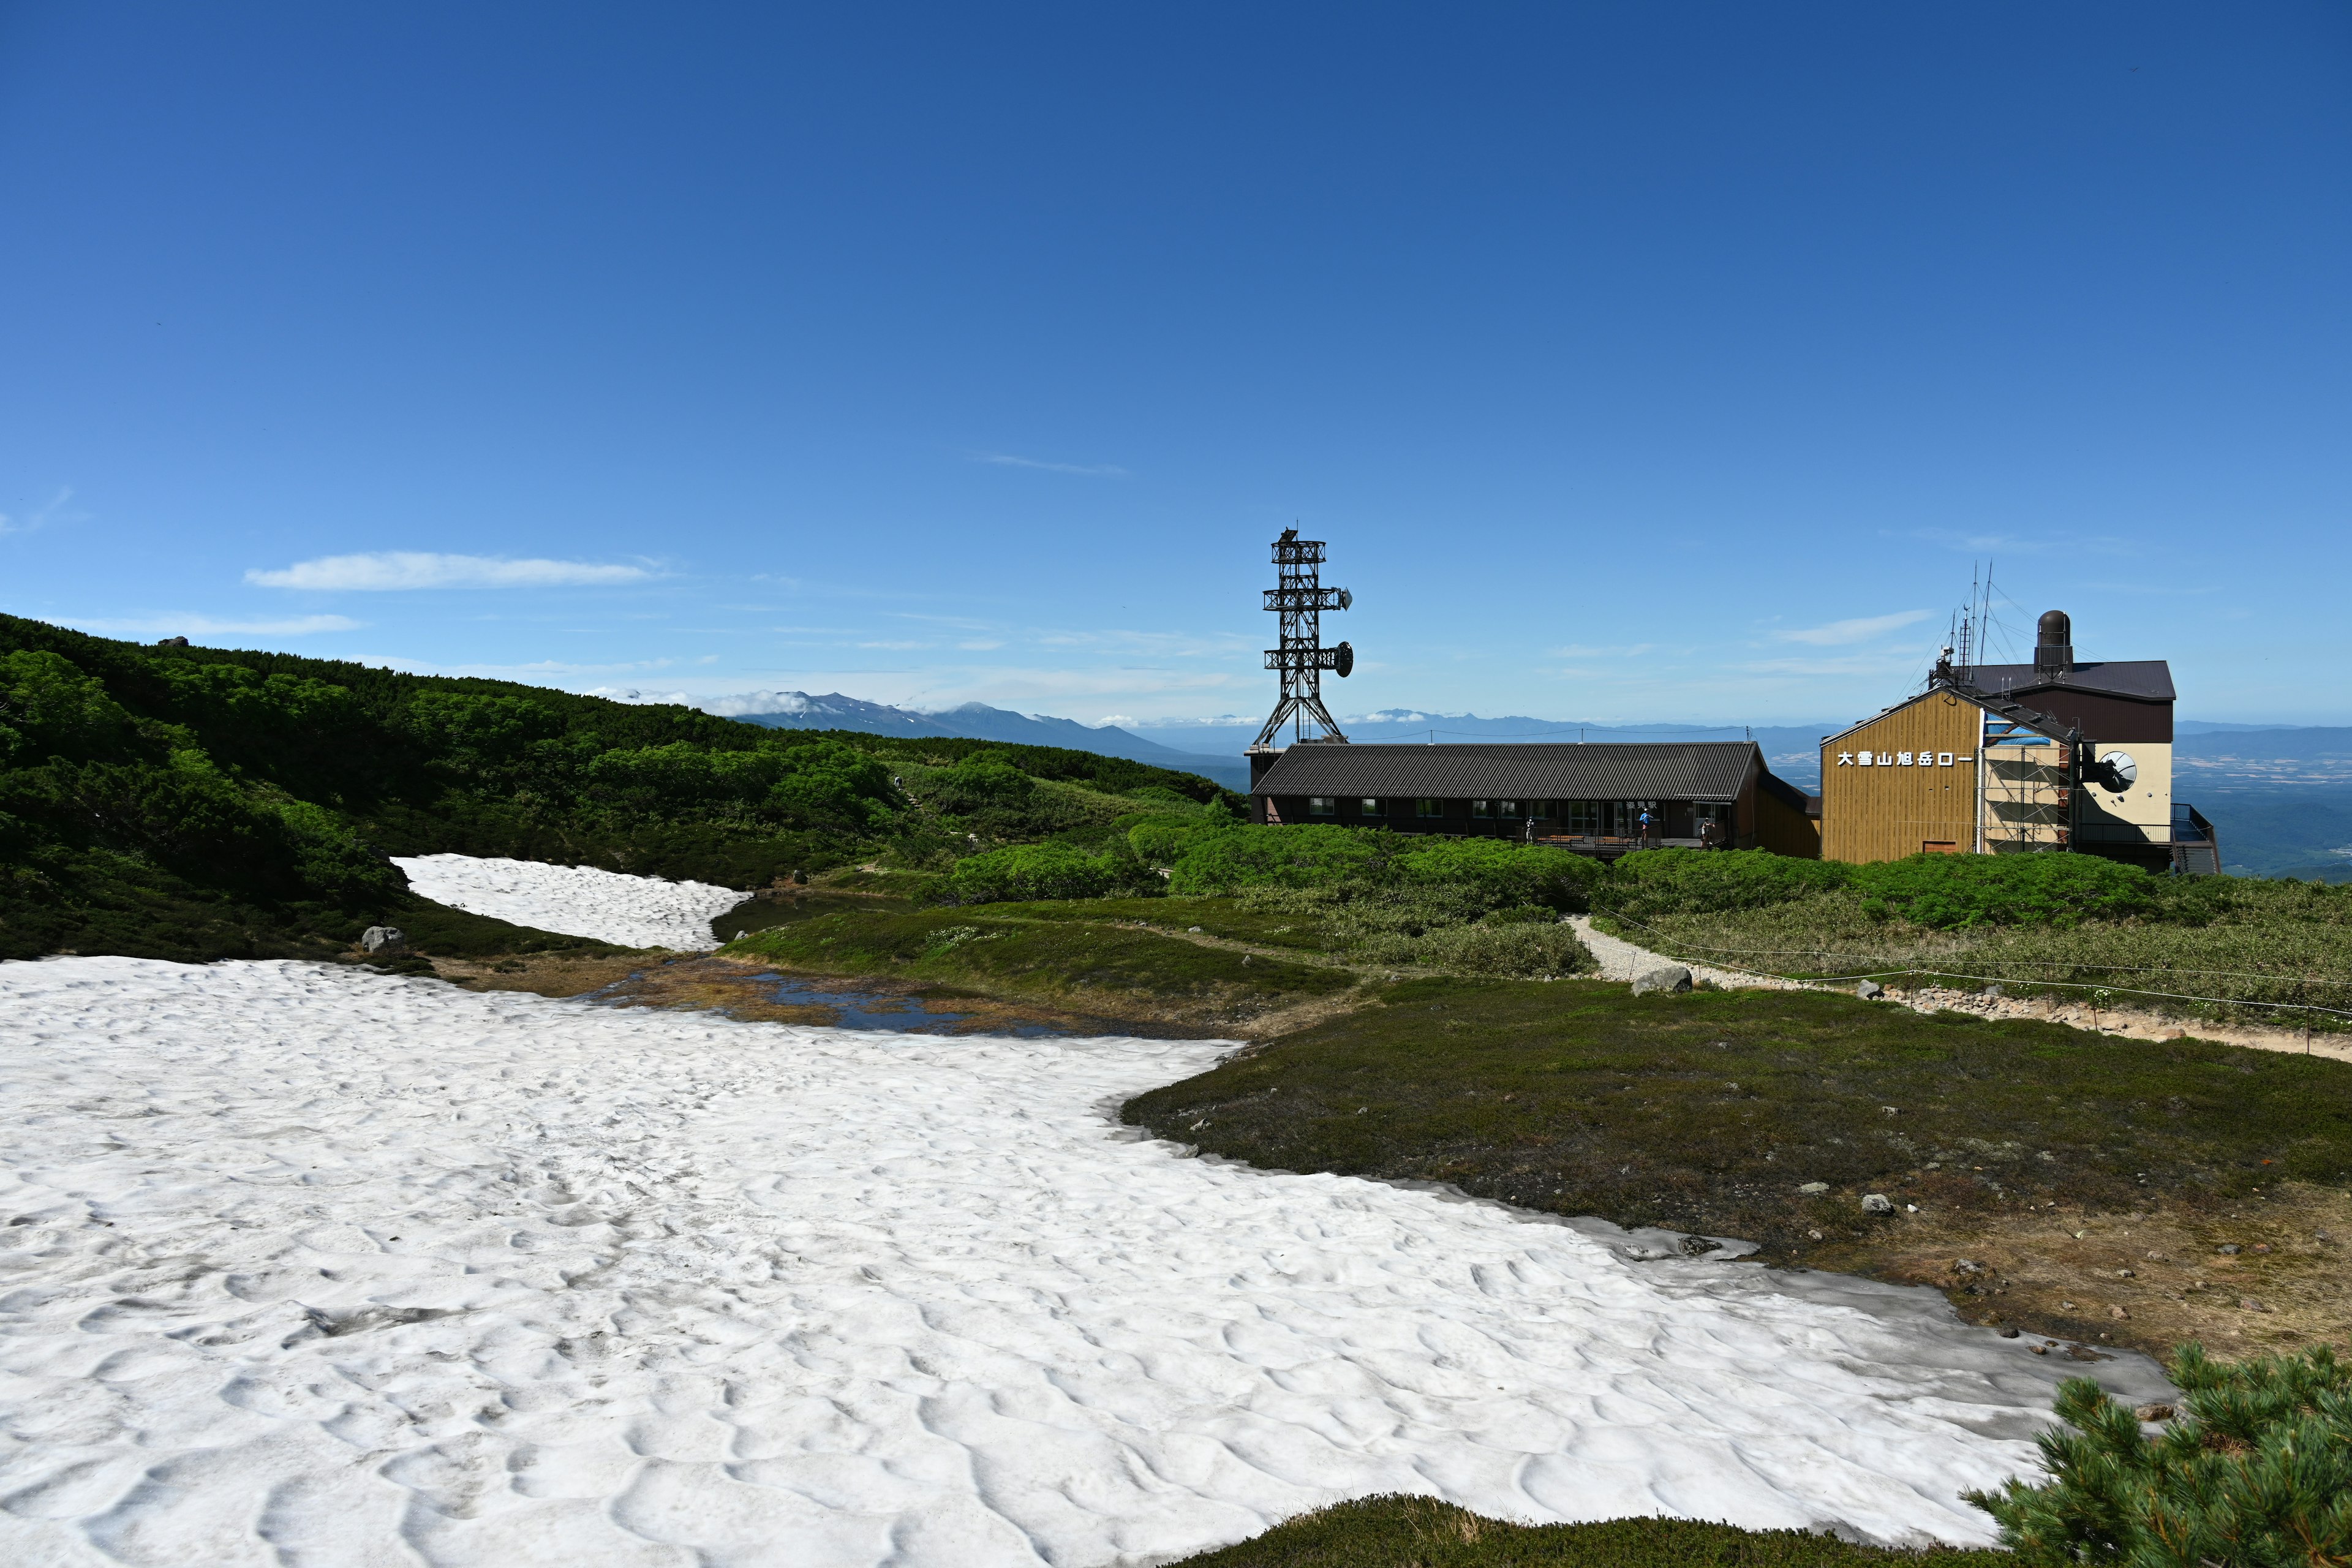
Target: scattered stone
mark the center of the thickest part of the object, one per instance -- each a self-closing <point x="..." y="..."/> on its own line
<point x="2039" y="1350"/>
<point x="1699" y="1246"/>
<point x="2009" y="1333"/>
<point x="2261" y="1247"/>
<point x="2118" y="1313"/>
<point x="1877" y="1203"/>
<point x="2155" y="1257"/>
<point x="2085" y="1353"/>
<point x="2248" y="1304"/>
<point x="1910" y="1208"/>
<point x="2158" y="1412"/>
<point x="1193" y="930"/>
<point x="1673" y="978"/>
<point x="2125" y="1274"/>
<point x="384" y="940"/>
<point x="1870" y="991"/>
<point x="2065" y="1306"/>
<point x="2227" y="1249"/>
<point x="1966" y="1265"/>
<point x="1991" y="992"/>
<point x="1814" y="1187"/>
<point x="1813" y="1236"/>
<point x="2322" y="1237"/>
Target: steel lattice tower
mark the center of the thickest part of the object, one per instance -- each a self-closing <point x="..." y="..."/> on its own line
<point x="1302" y="658"/>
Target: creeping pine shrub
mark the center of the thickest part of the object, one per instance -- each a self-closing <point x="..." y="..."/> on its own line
<point x="1159" y="838"/>
<point x="1505" y="874"/>
<point x="1028" y="872"/>
<point x="1653" y="882"/>
<point x="1311" y="855"/>
<point x="2255" y="1472"/>
<point x="1953" y="892"/>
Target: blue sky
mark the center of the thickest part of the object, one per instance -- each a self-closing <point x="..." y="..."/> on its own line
<point x="1639" y="363"/>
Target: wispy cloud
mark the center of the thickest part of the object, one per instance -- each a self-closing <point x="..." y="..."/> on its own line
<point x="41" y="517"/>
<point x="1094" y="470"/>
<point x="205" y="625"/>
<point x="391" y="570"/>
<point x="1999" y="544"/>
<point x="1838" y="634"/>
<point x="1577" y="650"/>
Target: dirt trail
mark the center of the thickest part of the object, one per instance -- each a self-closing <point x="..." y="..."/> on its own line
<point x="1623" y="960"/>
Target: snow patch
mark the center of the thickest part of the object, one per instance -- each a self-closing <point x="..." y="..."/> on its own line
<point x="575" y="901"/>
<point x="312" y="1266"/>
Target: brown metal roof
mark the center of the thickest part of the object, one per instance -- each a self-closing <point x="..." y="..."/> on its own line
<point x="1621" y="770"/>
<point x="2149" y="679"/>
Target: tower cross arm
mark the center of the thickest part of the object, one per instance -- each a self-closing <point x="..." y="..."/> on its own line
<point x="1297" y="597"/>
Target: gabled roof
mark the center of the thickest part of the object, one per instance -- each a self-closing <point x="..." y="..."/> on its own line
<point x="2145" y="679"/>
<point x="1621" y="770"/>
<point x="1995" y="703"/>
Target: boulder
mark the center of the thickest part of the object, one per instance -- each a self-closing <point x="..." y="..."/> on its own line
<point x="1814" y="1187"/>
<point x="1672" y="977"/>
<point x="385" y="940"/>
<point x="1877" y="1203"/>
<point x="1869" y="990"/>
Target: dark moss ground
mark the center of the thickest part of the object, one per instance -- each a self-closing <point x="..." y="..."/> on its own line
<point x="1707" y="1111"/>
<point x="1421" y="1532"/>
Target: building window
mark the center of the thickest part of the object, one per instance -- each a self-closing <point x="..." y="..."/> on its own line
<point x="1322" y="806"/>
<point x="1583" y="816"/>
<point x="1370" y="807"/>
<point x="1429" y="808"/>
<point x="1511" y="810"/>
<point x="1482" y="808"/>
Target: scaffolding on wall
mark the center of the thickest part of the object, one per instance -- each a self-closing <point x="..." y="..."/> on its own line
<point x="2025" y="791"/>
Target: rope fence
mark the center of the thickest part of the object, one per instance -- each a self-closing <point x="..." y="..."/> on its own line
<point x="1882" y="975"/>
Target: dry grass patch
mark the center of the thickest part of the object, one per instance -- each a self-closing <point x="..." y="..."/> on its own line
<point x="2064" y="1272"/>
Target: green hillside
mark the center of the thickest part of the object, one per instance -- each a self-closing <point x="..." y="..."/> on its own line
<point x="193" y="802"/>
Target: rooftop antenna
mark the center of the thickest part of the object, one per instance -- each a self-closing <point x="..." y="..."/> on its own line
<point x="1300" y="600"/>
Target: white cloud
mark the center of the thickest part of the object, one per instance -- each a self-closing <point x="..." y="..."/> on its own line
<point x="399" y="569"/>
<point x="205" y="625"/>
<point x="1096" y="470"/>
<point x="54" y="512"/>
<point x="1108" y="719"/>
<point x="1837" y="634"/>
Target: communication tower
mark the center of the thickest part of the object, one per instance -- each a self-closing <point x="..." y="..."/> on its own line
<point x="1300" y="600"/>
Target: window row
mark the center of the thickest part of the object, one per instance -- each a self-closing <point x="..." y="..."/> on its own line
<point x="1584" y="816"/>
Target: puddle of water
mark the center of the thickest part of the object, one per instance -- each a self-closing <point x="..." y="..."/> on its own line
<point x="765" y="995"/>
<point x="883" y="1010"/>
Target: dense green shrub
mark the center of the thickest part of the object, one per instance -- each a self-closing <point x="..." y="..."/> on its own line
<point x="2254" y="1472"/>
<point x="1504" y="873"/>
<point x="980" y="784"/>
<point x="1953" y="892"/>
<point x="1651" y="882"/>
<point x="1160" y="837"/>
<point x="1308" y="856"/>
<point x="1027" y="871"/>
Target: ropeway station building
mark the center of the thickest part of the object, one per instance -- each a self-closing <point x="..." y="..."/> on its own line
<point x="2003" y="759"/>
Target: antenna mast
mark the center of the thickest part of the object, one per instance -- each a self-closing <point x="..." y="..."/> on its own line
<point x="1300" y="600"/>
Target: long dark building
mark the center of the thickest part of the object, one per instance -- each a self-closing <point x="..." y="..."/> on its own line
<point x="1585" y="797"/>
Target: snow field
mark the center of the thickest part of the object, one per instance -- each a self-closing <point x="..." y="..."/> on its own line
<point x="304" y="1266"/>
<point x="575" y="901"/>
